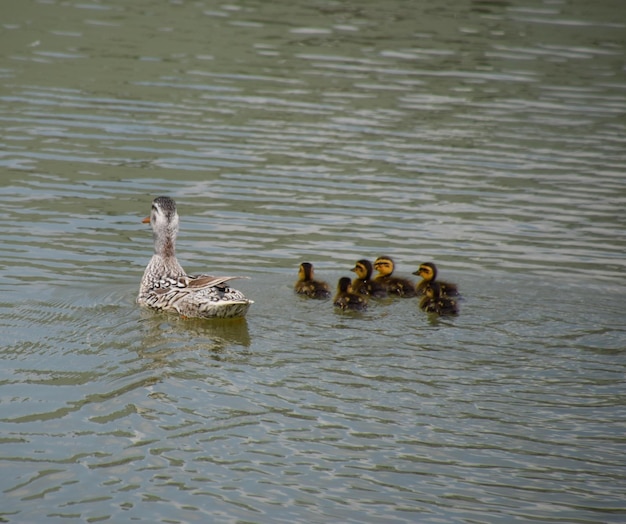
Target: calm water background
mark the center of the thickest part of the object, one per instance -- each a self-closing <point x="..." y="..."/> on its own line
<point x="487" y="136"/>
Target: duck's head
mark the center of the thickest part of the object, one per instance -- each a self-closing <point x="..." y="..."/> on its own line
<point x="363" y="269"/>
<point x="164" y="222"/>
<point x="384" y="265"/>
<point x="427" y="270"/>
<point x="344" y="285"/>
<point x="306" y="271"/>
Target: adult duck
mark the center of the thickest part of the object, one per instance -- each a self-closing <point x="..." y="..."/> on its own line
<point x="166" y="286"/>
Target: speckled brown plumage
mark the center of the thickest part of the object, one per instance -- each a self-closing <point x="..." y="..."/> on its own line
<point x="166" y="287"/>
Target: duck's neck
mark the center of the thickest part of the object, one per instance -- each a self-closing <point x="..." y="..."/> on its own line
<point x="168" y="248"/>
<point x="165" y="266"/>
<point x="165" y="245"/>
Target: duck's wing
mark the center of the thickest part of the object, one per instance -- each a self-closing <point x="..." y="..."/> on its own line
<point x="449" y="289"/>
<point x="206" y="281"/>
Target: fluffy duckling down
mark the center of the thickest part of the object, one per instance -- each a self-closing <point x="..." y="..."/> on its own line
<point x="346" y="299"/>
<point x="307" y="285"/>
<point x="363" y="283"/>
<point x="395" y="286"/>
<point x="428" y="272"/>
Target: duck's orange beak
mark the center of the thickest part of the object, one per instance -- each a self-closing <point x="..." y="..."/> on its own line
<point x="146" y="220"/>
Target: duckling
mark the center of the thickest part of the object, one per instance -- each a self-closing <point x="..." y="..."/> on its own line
<point x="395" y="286"/>
<point x="428" y="272"/>
<point x="434" y="302"/>
<point x="346" y="298"/>
<point x="306" y="285"/>
<point x="363" y="283"/>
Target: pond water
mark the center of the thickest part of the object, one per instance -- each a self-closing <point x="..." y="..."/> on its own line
<point x="488" y="136"/>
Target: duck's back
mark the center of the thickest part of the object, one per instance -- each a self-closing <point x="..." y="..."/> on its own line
<point x="370" y="288"/>
<point x="440" y="306"/>
<point x="312" y="288"/>
<point x="396" y="286"/>
<point x="350" y="301"/>
<point x="447" y="288"/>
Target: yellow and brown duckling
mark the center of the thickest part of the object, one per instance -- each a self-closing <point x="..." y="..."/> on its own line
<point x="363" y="283"/>
<point x="307" y="285"/>
<point x="396" y="286"/>
<point x="346" y="299"/>
<point x="428" y="272"/>
<point x="434" y="302"/>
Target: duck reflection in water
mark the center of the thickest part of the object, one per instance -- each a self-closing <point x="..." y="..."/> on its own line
<point x="166" y="335"/>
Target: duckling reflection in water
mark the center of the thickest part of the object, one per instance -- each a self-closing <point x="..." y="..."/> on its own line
<point x="346" y="299"/>
<point x="428" y="272"/>
<point x="363" y="283"/>
<point x="307" y="285"/>
<point x="395" y="286"/>
<point x="434" y="302"/>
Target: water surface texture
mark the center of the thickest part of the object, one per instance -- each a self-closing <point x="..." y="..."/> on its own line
<point x="486" y="136"/>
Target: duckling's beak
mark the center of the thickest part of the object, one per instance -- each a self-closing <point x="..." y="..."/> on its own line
<point x="416" y="272"/>
<point x="353" y="269"/>
<point x="146" y="220"/>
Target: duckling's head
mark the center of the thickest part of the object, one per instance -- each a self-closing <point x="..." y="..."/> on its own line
<point x="384" y="265"/>
<point x="344" y="285"/>
<point x="306" y="271"/>
<point x="363" y="269"/>
<point x="427" y="270"/>
<point x="164" y="222"/>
